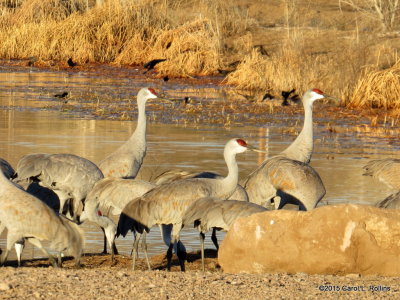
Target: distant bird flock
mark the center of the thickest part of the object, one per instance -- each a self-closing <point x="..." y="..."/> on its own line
<point x="48" y="196"/>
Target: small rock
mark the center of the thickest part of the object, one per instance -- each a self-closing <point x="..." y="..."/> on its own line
<point x="353" y="275"/>
<point x="151" y="286"/>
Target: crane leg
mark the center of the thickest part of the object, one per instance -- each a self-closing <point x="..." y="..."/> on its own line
<point x="135" y="250"/>
<point x="59" y="259"/>
<point x="202" y="236"/>
<point x="144" y="248"/>
<point x="38" y="244"/>
<point x="104" y="241"/>
<point x="169" y="256"/>
<point x="181" y="251"/>
<point x="214" y="238"/>
<point x="19" y="247"/>
<point x="11" y="240"/>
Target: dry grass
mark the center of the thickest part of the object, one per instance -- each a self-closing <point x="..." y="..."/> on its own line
<point x="378" y="89"/>
<point x="303" y="48"/>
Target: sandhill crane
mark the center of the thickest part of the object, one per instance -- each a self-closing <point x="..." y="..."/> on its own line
<point x="302" y="147"/>
<point x="166" y="204"/>
<point x="127" y="159"/>
<point x="207" y="213"/>
<point x="386" y="170"/>
<point x="109" y="196"/>
<point x="291" y="180"/>
<point x="69" y="176"/>
<point x="173" y="175"/>
<point x="27" y="217"/>
<point x="270" y="180"/>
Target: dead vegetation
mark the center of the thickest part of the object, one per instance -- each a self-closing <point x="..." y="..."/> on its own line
<point x="262" y="46"/>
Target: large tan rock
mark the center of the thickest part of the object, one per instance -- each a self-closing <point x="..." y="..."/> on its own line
<point x="334" y="239"/>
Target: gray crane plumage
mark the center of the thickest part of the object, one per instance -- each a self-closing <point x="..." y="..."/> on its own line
<point x="386" y="170"/>
<point x="27" y="217"/>
<point x="302" y="147"/>
<point x="68" y="175"/>
<point x="173" y="175"/>
<point x="291" y="180"/>
<point x="287" y="177"/>
<point x="212" y="213"/>
<point x="167" y="203"/>
<point x="126" y="161"/>
<point x="6" y="168"/>
<point x="109" y="196"/>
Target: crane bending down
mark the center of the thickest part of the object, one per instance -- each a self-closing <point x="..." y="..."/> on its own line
<point x="69" y="176"/>
<point x="207" y="213"/>
<point x="110" y="196"/>
<point x="288" y="174"/>
<point x="126" y="161"/>
<point x="292" y="181"/>
<point x="26" y="217"/>
<point x="386" y="170"/>
<point x="166" y="204"/>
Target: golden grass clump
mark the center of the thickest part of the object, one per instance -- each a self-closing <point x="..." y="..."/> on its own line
<point x="251" y="73"/>
<point x="191" y="49"/>
<point x="378" y="89"/>
<point x="38" y="10"/>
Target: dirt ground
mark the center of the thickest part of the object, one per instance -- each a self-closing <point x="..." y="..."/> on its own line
<point x="98" y="279"/>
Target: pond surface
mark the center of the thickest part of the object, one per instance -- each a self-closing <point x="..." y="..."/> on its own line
<point x="29" y="126"/>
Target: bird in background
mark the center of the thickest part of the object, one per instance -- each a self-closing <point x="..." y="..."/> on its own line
<point x="152" y="63"/>
<point x="167" y="203"/>
<point x="213" y="213"/>
<point x="125" y="162"/>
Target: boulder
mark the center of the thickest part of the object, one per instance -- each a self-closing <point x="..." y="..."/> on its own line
<point x="333" y="239"/>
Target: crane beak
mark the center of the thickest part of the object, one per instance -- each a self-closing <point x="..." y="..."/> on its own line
<point x="332" y="98"/>
<point x="251" y="148"/>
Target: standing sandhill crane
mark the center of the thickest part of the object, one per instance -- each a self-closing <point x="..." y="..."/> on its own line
<point x="207" y="213"/>
<point x="26" y="217"/>
<point x="127" y="159"/>
<point x="109" y="196"/>
<point x="166" y="204"/>
<point x="386" y="170"/>
<point x="69" y="176"/>
<point x="270" y="180"/>
<point x="302" y="147"/>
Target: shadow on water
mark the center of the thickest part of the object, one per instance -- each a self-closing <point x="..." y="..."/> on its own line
<point x="32" y="120"/>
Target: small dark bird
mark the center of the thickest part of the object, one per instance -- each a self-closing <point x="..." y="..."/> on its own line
<point x="285" y="95"/>
<point x="63" y="95"/>
<point x="295" y="98"/>
<point x="32" y="61"/>
<point x="71" y="63"/>
<point x="267" y="96"/>
<point x="151" y="64"/>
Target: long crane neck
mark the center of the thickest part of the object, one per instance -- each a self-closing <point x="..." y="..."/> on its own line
<point x="302" y="147"/>
<point x="230" y="182"/>
<point x="139" y="136"/>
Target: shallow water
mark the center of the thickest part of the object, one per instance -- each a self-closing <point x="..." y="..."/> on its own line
<point x="26" y="128"/>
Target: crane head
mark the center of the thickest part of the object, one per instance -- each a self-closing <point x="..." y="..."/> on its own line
<point x="241" y="145"/>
